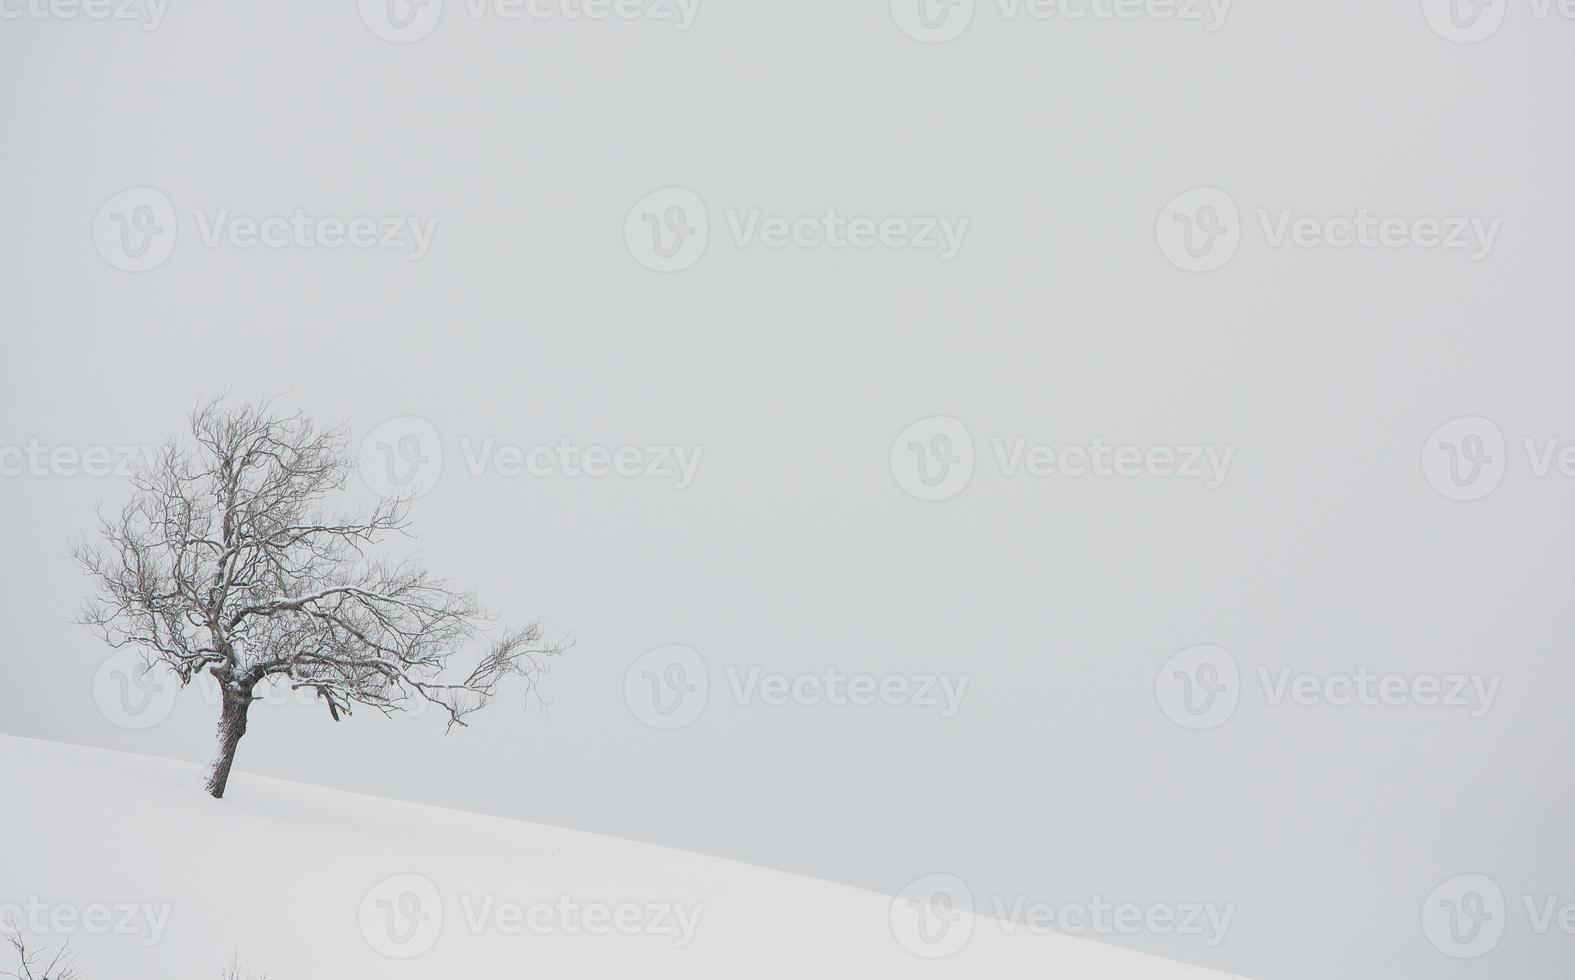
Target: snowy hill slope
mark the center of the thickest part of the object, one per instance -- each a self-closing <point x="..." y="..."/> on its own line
<point x="158" y="881"/>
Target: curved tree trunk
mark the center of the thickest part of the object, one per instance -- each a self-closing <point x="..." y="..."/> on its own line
<point x="232" y="725"/>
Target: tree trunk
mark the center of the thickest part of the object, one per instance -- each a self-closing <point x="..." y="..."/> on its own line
<point x="232" y="725"/>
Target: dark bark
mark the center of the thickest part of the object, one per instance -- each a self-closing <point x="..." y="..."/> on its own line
<point x="234" y="706"/>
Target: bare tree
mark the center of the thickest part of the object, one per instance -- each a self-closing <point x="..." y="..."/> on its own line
<point x="57" y="964"/>
<point x="228" y="560"/>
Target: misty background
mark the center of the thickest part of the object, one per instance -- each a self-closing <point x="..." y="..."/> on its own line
<point x="528" y="321"/>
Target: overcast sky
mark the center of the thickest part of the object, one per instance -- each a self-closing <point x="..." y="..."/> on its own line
<point x="844" y="437"/>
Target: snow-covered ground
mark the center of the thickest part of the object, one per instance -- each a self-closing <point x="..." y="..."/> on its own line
<point x="158" y="881"/>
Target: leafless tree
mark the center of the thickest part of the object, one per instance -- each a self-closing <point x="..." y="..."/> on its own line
<point x="228" y="560"/>
<point x="58" y="963"/>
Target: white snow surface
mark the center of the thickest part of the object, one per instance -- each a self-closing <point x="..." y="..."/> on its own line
<point x="291" y="878"/>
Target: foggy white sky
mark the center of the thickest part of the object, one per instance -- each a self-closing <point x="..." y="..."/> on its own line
<point x="527" y="321"/>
